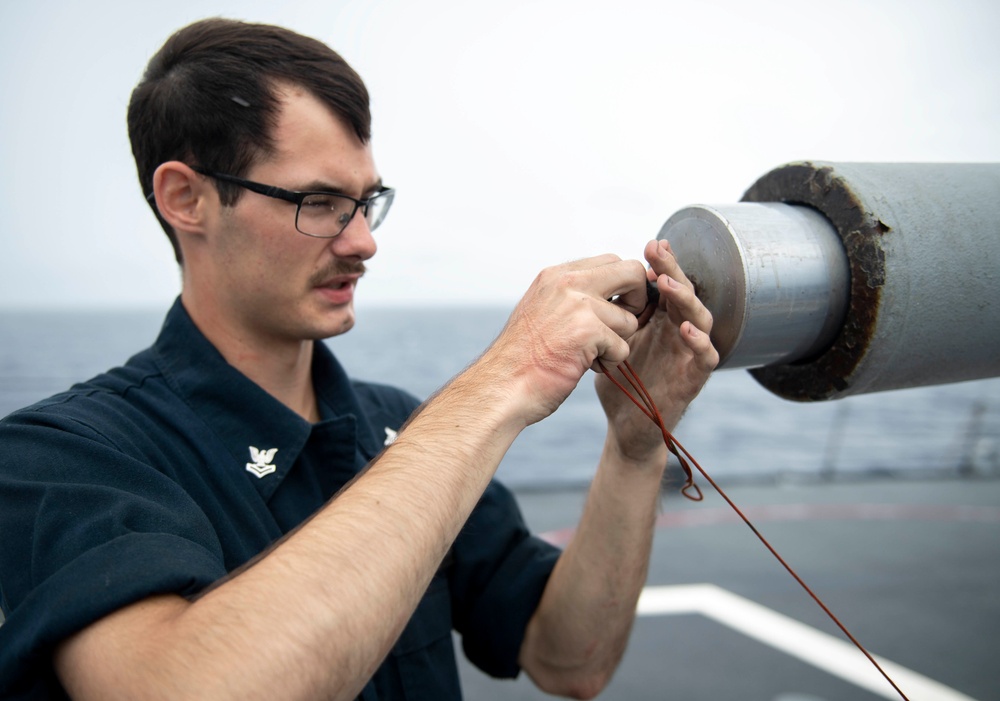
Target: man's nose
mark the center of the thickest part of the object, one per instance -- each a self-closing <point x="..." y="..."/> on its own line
<point x="356" y="240"/>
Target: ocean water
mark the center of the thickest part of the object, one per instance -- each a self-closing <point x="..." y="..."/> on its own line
<point x="736" y="429"/>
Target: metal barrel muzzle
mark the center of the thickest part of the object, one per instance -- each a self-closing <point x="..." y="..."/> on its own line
<point x="834" y="279"/>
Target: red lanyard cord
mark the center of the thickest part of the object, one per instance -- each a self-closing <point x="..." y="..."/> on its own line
<point x="692" y="492"/>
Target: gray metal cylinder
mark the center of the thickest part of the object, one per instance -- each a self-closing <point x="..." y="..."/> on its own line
<point x="775" y="277"/>
<point x="922" y="243"/>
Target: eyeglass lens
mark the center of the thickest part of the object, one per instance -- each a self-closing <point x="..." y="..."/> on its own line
<point x="329" y="214"/>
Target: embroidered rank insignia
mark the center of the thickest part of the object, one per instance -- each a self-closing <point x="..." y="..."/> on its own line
<point x="390" y="436"/>
<point x="261" y="464"/>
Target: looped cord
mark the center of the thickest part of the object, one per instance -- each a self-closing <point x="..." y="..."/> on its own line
<point x="691" y="490"/>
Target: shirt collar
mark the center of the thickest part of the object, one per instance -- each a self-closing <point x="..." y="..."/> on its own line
<point x="249" y="421"/>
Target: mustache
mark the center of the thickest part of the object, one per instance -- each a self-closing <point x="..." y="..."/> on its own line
<point x="340" y="267"/>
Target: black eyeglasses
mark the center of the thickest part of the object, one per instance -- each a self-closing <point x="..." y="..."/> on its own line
<point x="322" y="215"/>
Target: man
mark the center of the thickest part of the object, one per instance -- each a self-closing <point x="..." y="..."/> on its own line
<point x="219" y="519"/>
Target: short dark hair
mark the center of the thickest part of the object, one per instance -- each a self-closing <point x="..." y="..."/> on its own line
<point x="208" y="98"/>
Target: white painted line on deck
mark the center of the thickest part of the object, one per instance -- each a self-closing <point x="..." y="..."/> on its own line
<point x="834" y="655"/>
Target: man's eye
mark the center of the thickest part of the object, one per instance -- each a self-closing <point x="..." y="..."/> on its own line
<point x="321" y="202"/>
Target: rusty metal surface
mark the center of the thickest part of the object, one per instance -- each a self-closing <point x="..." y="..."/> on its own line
<point x="820" y="187"/>
<point x="923" y="241"/>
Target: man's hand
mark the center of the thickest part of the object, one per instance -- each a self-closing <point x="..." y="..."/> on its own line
<point x="671" y="352"/>
<point x="564" y="323"/>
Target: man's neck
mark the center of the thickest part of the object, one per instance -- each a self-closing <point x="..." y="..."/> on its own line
<point x="281" y="367"/>
<point x="285" y="374"/>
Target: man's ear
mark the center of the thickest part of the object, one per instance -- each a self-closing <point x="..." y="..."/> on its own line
<point x="182" y="196"/>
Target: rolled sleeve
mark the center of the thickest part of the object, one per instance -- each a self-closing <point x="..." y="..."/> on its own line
<point x="84" y="531"/>
<point x="89" y="587"/>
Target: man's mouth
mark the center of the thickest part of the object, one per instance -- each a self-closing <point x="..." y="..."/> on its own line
<point x="338" y="289"/>
<point x="340" y="284"/>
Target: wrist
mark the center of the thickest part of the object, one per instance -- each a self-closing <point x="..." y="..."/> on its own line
<point x="638" y="454"/>
<point x="530" y="390"/>
<point x="491" y="395"/>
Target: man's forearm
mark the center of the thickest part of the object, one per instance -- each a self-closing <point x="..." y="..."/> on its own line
<point x="580" y="630"/>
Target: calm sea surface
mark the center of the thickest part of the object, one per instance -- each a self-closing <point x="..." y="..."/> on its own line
<point x="736" y="429"/>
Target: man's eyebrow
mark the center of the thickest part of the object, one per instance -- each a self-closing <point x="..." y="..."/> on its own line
<point x="325" y="186"/>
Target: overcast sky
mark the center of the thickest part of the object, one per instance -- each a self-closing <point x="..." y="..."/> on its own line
<point x="518" y="134"/>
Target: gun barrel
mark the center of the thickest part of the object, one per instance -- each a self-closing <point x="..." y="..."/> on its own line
<point x="835" y="279"/>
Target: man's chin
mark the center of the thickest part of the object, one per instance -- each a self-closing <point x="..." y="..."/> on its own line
<point x="337" y="324"/>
